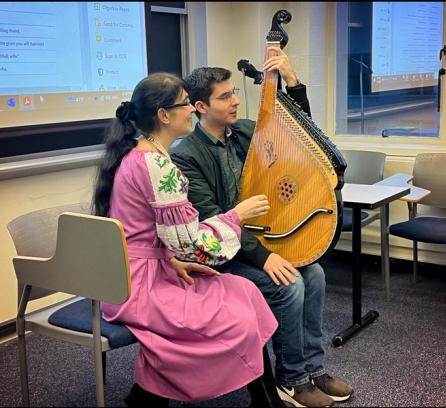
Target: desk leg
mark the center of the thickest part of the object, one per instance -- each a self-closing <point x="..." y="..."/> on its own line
<point x="385" y="267"/>
<point x="356" y="276"/>
<point x="358" y="322"/>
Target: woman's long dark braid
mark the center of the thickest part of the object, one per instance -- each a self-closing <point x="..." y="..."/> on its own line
<point x="120" y="140"/>
<point x="151" y="93"/>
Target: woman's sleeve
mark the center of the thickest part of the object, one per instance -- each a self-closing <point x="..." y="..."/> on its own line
<point x="213" y="241"/>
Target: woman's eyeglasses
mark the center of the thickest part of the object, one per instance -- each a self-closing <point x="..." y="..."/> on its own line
<point x="178" y="105"/>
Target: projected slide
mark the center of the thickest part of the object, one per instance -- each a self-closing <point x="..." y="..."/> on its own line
<point x="406" y="40"/>
<point x="68" y="61"/>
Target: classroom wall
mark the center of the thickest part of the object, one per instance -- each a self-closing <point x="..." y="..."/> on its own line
<point x="220" y="34"/>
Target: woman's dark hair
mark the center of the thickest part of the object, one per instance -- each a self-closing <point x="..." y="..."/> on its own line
<point x="132" y="118"/>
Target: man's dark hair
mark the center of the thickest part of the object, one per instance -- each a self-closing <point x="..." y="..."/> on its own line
<point x="200" y="83"/>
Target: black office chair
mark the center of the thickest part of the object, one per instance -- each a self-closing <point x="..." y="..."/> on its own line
<point x="363" y="167"/>
<point x="429" y="173"/>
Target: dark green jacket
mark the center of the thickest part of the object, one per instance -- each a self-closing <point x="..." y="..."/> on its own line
<point x="207" y="191"/>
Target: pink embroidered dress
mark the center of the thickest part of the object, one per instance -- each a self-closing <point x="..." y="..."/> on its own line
<point x="197" y="341"/>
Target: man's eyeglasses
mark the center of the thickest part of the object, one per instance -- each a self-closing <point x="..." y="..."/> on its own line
<point x="228" y="95"/>
<point x="177" y="105"/>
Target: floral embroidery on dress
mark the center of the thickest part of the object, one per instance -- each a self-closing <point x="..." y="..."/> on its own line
<point x="169" y="182"/>
<point x="161" y="161"/>
<point x="181" y="231"/>
<point x="202" y="257"/>
<point x="183" y="185"/>
<point x="210" y="244"/>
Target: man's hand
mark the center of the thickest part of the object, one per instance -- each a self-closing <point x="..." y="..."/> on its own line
<point x="281" y="63"/>
<point x="279" y="268"/>
<point x="183" y="269"/>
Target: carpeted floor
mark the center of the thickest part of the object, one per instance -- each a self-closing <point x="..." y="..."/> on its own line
<point x="400" y="360"/>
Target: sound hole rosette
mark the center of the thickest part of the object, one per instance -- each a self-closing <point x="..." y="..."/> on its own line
<point x="286" y="189"/>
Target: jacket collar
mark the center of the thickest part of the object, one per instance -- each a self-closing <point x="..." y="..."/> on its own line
<point x="201" y="135"/>
<point x="214" y="140"/>
<point x="244" y="139"/>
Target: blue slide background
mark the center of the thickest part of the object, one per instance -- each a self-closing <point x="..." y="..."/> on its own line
<point x="72" y="46"/>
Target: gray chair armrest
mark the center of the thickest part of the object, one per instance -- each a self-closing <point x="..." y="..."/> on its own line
<point x="400" y="179"/>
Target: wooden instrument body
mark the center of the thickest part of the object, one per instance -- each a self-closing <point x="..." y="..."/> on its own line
<point x="295" y="165"/>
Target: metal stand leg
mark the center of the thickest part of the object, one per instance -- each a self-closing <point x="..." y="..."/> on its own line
<point x="415" y="261"/>
<point x="412" y="214"/>
<point x="385" y="266"/>
<point x="21" y="343"/>
<point x="98" y="353"/>
<point x="358" y="322"/>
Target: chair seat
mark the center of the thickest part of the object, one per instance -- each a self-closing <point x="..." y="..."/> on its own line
<point x="77" y="316"/>
<point x="424" y="229"/>
<point x="347" y="216"/>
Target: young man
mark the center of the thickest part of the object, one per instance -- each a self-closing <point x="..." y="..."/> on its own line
<point x="212" y="158"/>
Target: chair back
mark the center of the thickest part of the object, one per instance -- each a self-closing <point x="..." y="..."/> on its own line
<point x="430" y="173"/>
<point x="363" y="167"/>
<point x="90" y="260"/>
<point x="34" y="234"/>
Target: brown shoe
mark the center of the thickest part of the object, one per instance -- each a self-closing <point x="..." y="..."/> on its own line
<point x="306" y="395"/>
<point x="333" y="387"/>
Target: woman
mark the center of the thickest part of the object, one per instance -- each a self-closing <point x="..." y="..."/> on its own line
<point x="201" y="336"/>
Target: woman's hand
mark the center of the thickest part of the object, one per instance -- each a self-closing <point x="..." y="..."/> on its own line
<point x="183" y="269"/>
<point x="254" y="206"/>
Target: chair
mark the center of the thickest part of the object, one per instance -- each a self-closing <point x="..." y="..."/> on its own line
<point x="363" y="167"/>
<point x="90" y="253"/>
<point x="429" y="173"/>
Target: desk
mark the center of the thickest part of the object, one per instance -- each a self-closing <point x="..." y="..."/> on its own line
<point x="357" y="197"/>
